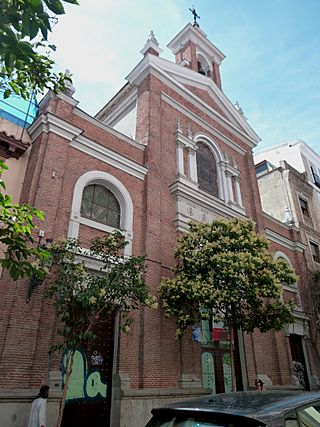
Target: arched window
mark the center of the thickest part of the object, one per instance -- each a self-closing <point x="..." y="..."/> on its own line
<point x="203" y="64"/>
<point x="116" y="201"/>
<point x="207" y="170"/>
<point x="100" y="205"/>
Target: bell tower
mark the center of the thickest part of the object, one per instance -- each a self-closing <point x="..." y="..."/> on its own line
<point x="192" y="49"/>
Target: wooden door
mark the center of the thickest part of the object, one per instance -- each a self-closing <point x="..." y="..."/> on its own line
<point x="88" y="400"/>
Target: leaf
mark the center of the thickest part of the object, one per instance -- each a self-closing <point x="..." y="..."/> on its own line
<point x="55" y="6"/>
<point x="9" y="60"/>
<point x="34" y="3"/>
<point x="14" y="87"/>
<point x="34" y="28"/>
<point x="7" y="93"/>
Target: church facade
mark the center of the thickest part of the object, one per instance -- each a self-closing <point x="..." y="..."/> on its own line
<point x="168" y="148"/>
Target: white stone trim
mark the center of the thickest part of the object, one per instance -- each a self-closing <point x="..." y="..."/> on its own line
<point x="179" y="107"/>
<point x="108" y="129"/>
<point x="150" y="44"/>
<point x="180" y="158"/>
<point x="286" y="243"/>
<point x="122" y="195"/>
<point x="231" y="198"/>
<point x="238" y="190"/>
<point x="192" y="203"/>
<point x="204" y="61"/>
<point x="49" y="123"/>
<point x="280" y="254"/>
<point x="196" y="36"/>
<point x="171" y="74"/>
<point x="108" y="156"/>
<point x="117" y="110"/>
<point x="51" y="95"/>
<point x="192" y="164"/>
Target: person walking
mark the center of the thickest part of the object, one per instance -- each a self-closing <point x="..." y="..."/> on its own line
<point x="38" y="414"/>
<point x="259" y="384"/>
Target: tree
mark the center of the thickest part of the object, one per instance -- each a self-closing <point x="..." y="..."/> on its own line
<point x="224" y="270"/>
<point x="20" y="255"/>
<point x="24" y="27"/>
<point x="82" y="298"/>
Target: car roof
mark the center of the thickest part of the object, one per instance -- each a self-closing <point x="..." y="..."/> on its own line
<point x="258" y="405"/>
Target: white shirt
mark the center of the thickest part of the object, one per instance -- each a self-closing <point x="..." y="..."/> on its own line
<point x="38" y="413"/>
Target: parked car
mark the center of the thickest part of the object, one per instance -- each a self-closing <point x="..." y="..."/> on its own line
<point x="243" y="409"/>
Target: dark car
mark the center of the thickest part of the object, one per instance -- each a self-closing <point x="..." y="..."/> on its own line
<point x="243" y="409"/>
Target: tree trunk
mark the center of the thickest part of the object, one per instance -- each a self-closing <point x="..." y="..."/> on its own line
<point x="69" y="365"/>
<point x="233" y="373"/>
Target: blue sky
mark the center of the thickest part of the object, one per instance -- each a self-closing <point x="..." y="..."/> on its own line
<point x="272" y="49"/>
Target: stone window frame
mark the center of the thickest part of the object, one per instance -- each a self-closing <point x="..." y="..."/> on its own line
<point x="205" y="64"/>
<point x="116" y="187"/>
<point x="294" y="287"/>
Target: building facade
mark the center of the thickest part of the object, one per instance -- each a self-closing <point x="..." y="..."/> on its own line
<point x="168" y="148"/>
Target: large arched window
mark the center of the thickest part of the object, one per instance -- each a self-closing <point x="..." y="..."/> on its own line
<point x="99" y="204"/>
<point x="207" y="169"/>
<point x="102" y="202"/>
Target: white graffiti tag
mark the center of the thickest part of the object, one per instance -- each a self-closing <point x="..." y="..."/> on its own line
<point x="96" y="358"/>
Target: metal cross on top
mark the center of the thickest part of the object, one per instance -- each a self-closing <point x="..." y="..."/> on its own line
<point x="195" y="16"/>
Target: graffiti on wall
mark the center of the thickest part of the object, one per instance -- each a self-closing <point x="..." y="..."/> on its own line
<point x="82" y="383"/>
<point x="227" y="373"/>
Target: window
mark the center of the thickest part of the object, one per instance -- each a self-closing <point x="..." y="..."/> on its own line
<point x="309" y="416"/>
<point x="262" y="167"/>
<point x="316" y="177"/>
<point x="315" y="252"/>
<point x="304" y="207"/>
<point x="203" y="65"/>
<point x="207" y="170"/>
<point x="100" y="205"/>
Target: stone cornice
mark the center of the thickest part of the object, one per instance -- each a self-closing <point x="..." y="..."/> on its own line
<point x="185" y="191"/>
<point x="108" y="129"/>
<point x="202" y="123"/>
<point x="196" y="36"/>
<point x="108" y="156"/>
<point x="284" y="241"/>
<point x="50" y="123"/>
<point x="168" y="73"/>
<point x="116" y="108"/>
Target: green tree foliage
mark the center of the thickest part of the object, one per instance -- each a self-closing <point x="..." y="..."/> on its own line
<point x="82" y="298"/>
<point x="24" y="27"/>
<point x="20" y="256"/>
<point x="225" y="269"/>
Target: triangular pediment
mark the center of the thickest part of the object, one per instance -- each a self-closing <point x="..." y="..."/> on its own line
<point x="192" y="85"/>
<point x="205" y="88"/>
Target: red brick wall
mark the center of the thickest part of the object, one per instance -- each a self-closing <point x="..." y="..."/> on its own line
<point x="150" y="353"/>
